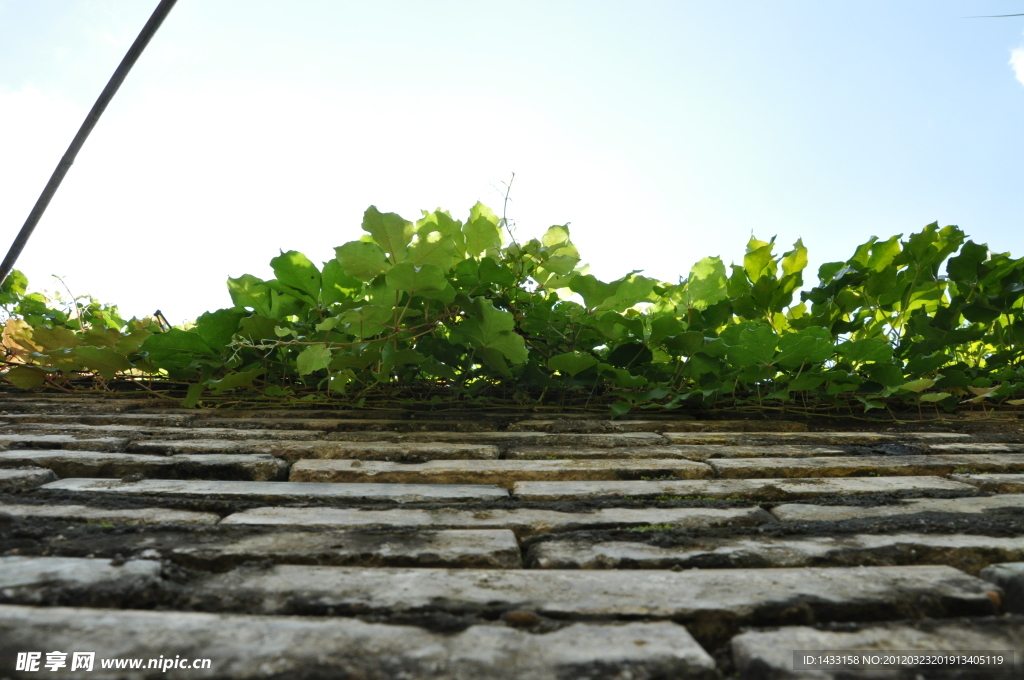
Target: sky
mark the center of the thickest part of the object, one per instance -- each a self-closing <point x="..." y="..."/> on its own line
<point x="661" y="132"/>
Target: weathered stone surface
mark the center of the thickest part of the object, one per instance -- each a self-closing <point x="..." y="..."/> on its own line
<point x="270" y="491"/>
<point x="134" y="431"/>
<point x="260" y="468"/>
<point x="291" y="451"/>
<point x="769" y="654"/>
<point x="1010" y="577"/>
<point x="83" y="513"/>
<point x="964" y="552"/>
<point x="585" y="425"/>
<point x="501" y="472"/>
<point x="251" y="647"/>
<point x="523" y="521"/>
<point x="997" y="483"/>
<point x="62" y="441"/>
<point x="745" y="489"/>
<point x="354" y="424"/>
<point x="32" y="580"/>
<point x="25" y="478"/>
<point x="886" y="466"/>
<point x="957" y="506"/>
<point x="826" y="438"/>
<point x="698" y="452"/>
<point x="493" y="548"/>
<point x="976" y="447"/>
<point x="712" y="603"/>
<point x="124" y="419"/>
<point x="509" y="438"/>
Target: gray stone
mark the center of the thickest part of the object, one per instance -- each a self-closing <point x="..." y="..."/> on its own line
<point x="995" y="483"/>
<point x="1010" y="577"/>
<point x="283" y="491"/>
<point x="524" y="522"/>
<point x="493" y="548"/>
<point x="953" y="506"/>
<point x="728" y="489"/>
<point x="884" y="466"/>
<point x="260" y="468"/>
<point x="501" y="472"/>
<point x="696" y="452"/>
<point x="82" y="513"/>
<point x="135" y="431"/>
<point x="509" y="438"/>
<point x="62" y="441"/>
<point x="712" y="603"/>
<point x="292" y="451"/>
<point x="32" y="580"/>
<point x="356" y="424"/>
<point x="964" y="552"/>
<point x="128" y="419"/>
<point x="768" y="655"/>
<point x="25" y="478"/>
<point x="976" y="447"/>
<point x="258" y="647"/>
<point x="827" y="438"/>
<point x="580" y="425"/>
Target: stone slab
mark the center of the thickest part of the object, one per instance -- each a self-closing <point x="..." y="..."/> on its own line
<point x="996" y="483"/>
<point x="292" y="451"/>
<point x="83" y="513"/>
<point x="282" y="491"/>
<point x="1010" y="577"/>
<point x="769" y="654"/>
<point x="62" y="441"/>
<point x="883" y="466"/>
<point x="134" y="431"/>
<point x="712" y="603"/>
<point x="955" y="506"/>
<point x="11" y="480"/>
<point x="490" y="548"/>
<point x="965" y="552"/>
<point x="688" y="452"/>
<point x="501" y="472"/>
<point x="595" y="425"/>
<point x="260" y="468"/>
<point x="32" y="580"/>
<point x="525" y="522"/>
<point x="356" y="424"/>
<point x="136" y="419"/>
<point x="258" y="647"/>
<point x="510" y="438"/>
<point x="735" y="489"/>
<point x="976" y="447"/>
<point x="821" y="438"/>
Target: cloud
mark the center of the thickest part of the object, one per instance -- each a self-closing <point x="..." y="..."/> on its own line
<point x="1017" y="62"/>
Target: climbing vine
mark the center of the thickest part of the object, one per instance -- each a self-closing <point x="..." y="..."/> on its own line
<point x="441" y="309"/>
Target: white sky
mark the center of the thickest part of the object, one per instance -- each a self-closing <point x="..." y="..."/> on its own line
<point x="662" y="131"/>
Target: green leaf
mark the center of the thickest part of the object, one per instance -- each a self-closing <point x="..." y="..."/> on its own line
<point x="620" y="408"/>
<point x="102" y="360"/>
<point x="336" y="285"/>
<point x="870" y="349"/>
<point x="313" y="358"/>
<point x="407" y="276"/>
<point x="492" y="328"/>
<point x="293" y="269"/>
<point x="811" y="345"/>
<point x="433" y="248"/>
<point x="795" y="260"/>
<point x="233" y="381"/>
<point x="919" y="385"/>
<point x="26" y="378"/>
<point x="249" y="291"/>
<point x="175" y="349"/>
<point x="58" y="337"/>
<point x="593" y="291"/>
<point x="934" y="396"/>
<point x="758" y="261"/>
<point x="750" y="344"/>
<point x="392" y="233"/>
<point x="706" y="284"/>
<point x="366" y="321"/>
<point x="12" y="288"/>
<point x="481" y="231"/>
<point x="571" y="363"/>
<point x="361" y="260"/>
<point x="219" y="327"/>
<point x="195" y="391"/>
